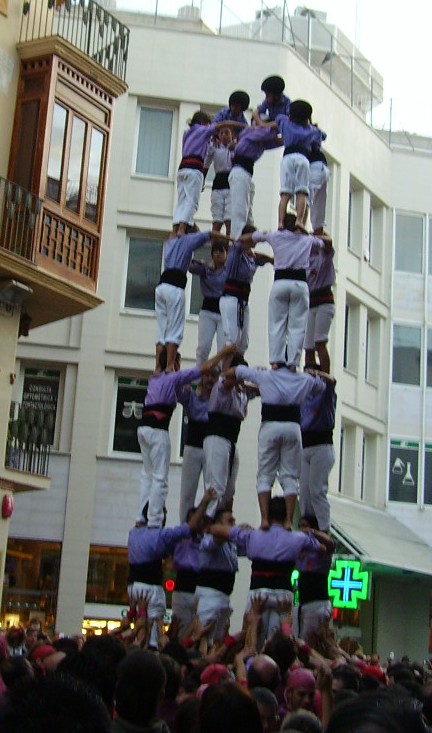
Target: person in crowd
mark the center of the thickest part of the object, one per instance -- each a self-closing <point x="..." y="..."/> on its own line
<point x="212" y="281"/>
<point x="275" y="102"/>
<point x="238" y="103"/>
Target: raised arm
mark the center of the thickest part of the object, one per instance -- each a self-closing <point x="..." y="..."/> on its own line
<point x="214" y="361"/>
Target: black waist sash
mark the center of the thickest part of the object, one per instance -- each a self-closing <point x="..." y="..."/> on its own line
<point x="220" y="181"/>
<point x="174" y="277"/>
<point x="151" y="420"/>
<point x="318" y="297"/>
<point x="192" y="161"/>
<point x="270" y="574"/>
<point x="290" y="274"/>
<point x="312" y="587"/>
<point x="221" y="580"/>
<point x="146" y="572"/>
<point x="280" y="413"/>
<point x="238" y="289"/>
<point x="186" y="580"/>
<point x="311" y="438"/>
<point x="244" y="162"/>
<point x="317" y="156"/>
<point x="297" y="149"/>
<point x="210" y="304"/>
<point x="196" y="432"/>
<point x="225" y="426"/>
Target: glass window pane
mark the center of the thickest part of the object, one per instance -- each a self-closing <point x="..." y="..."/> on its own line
<point x="75" y="164"/>
<point x="143" y="273"/>
<point x="203" y="253"/>
<point x="403" y="473"/>
<point x="430" y="247"/>
<point x="93" y="175"/>
<point x="406" y="354"/>
<point x="55" y="159"/>
<point x="128" y="415"/>
<point x="409" y="243"/>
<point x="427" y="494"/>
<point x="429" y="359"/>
<point x="154" y="141"/>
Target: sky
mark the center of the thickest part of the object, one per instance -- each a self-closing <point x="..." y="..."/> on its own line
<point x="396" y="41"/>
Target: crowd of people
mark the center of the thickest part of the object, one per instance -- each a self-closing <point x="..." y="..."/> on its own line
<point x="284" y="669"/>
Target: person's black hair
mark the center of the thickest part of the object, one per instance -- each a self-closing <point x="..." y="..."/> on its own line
<point x="200" y="118"/>
<point x="249" y="229"/>
<point x="54" y="703"/>
<point x="290" y="222"/>
<point x="219" y="514"/>
<point x="238" y="360"/>
<point x="186" y="718"/>
<point x="177" y="651"/>
<point x="162" y="359"/>
<point x="277" y="509"/>
<point x="310" y="519"/>
<point x="173" y="676"/>
<point x="229" y="708"/>
<point x="264" y="696"/>
<point x="302" y="723"/>
<point x="13" y="669"/>
<point x="349" y="676"/>
<point x="282" y="649"/>
<point x="66" y="644"/>
<point x="258" y="678"/>
<point x="140" y="682"/>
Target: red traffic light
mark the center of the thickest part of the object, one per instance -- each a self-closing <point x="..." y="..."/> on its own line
<point x="169" y="585"/>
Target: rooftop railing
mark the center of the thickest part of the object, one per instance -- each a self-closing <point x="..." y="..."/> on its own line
<point x="85" y="24"/>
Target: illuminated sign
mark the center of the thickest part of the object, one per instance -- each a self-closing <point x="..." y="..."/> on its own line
<point x="348" y="584"/>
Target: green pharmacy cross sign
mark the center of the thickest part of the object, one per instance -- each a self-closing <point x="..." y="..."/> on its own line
<point x="348" y="584"/>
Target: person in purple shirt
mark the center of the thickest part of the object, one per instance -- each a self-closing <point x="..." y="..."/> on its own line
<point x="212" y="281"/>
<point x="317" y="420"/>
<point x="314" y="602"/>
<point x="320" y="279"/>
<point x="170" y="292"/>
<point x="289" y="295"/>
<point x="237" y="105"/>
<point x="153" y="436"/>
<point x="251" y="145"/>
<point x="275" y="102"/>
<point x="298" y="136"/>
<point x="190" y="174"/>
<point x="279" y="441"/>
<point x="274" y="553"/>
<point x="147" y="547"/>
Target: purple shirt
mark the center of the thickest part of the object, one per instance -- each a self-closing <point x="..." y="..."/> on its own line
<point x="321" y="272"/>
<point x="211" y="281"/>
<point x="240" y="265"/>
<point x="226" y="114"/>
<point x="196" y="140"/>
<point x="314" y="561"/>
<point x="290" y="250"/>
<point x="281" y="386"/>
<point x="303" y="136"/>
<point x="163" y="388"/>
<point x="280" y="108"/>
<point x="215" y="556"/>
<point x="186" y="554"/>
<point x="147" y="544"/>
<point x="179" y="250"/>
<point x="196" y="406"/>
<point x="254" y="141"/>
<point x="228" y="401"/>
<point x="317" y="412"/>
<point x="276" y="544"/>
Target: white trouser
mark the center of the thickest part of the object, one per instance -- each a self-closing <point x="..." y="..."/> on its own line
<point x="316" y="464"/>
<point x="213" y="607"/>
<point x="309" y="617"/>
<point x="318" y="325"/>
<point x="156" y="453"/>
<point x="240" y="185"/>
<point x="217" y="474"/>
<point x="183" y="608"/>
<point x="193" y="465"/>
<point x="279" y="454"/>
<point x="270" y="618"/>
<point x="233" y="333"/>
<point x="189" y="187"/>
<point x="170" y="313"/>
<point x="319" y="177"/>
<point x="287" y="319"/>
<point x="294" y="174"/>
<point x="220" y="205"/>
<point x="209" y="324"/>
<point x="156" y="604"/>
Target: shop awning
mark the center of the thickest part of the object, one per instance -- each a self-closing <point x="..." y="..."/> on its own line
<point x="378" y="539"/>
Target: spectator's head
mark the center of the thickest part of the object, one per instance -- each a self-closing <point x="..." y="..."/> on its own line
<point x="302" y="721"/>
<point x="140" y="685"/>
<point x="346" y="677"/>
<point x="263" y="672"/>
<point x="30" y="638"/>
<point x="283" y="650"/>
<point x="229" y="708"/>
<point x="268" y="708"/>
<point x="15" y="637"/>
<point x="13" y="669"/>
<point x="300" y="689"/>
<point x="173" y="676"/>
<point x="186" y="719"/>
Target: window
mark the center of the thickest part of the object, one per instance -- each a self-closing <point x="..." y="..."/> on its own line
<point x="363" y="468"/>
<point x="341" y="456"/>
<point x="128" y="413"/>
<point x="41" y="394"/>
<point x="154" y="141"/>
<point x="373" y="346"/>
<point x="75" y="164"/>
<point x="203" y="253"/>
<point x="409" y="243"/>
<point x="143" y="272"/>
<point x="346" y="335"/>
<point x="430" y="247"/>
<point x="429" y="359"/>
<point x="351" y="335"/>
<point x="107" y="575"/>
<point x="427" y="490"/>
<point x="376" y="233"/>
<point x="350" y="204"/>
<point x="403" y="471"/>
<point x="406" y="355"/>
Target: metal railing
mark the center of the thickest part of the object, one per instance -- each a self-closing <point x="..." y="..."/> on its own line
<point x="20" y="213"/>
<point x="85" y="24"/>
<point x="29" y="439"/>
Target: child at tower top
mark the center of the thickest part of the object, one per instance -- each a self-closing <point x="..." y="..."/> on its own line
<point x="275" y="102"/>
<point x="190" y="174"/>
<point x="298" y="136"/>
<point x="220" y="154"/>
<point x="237" y="105"/>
